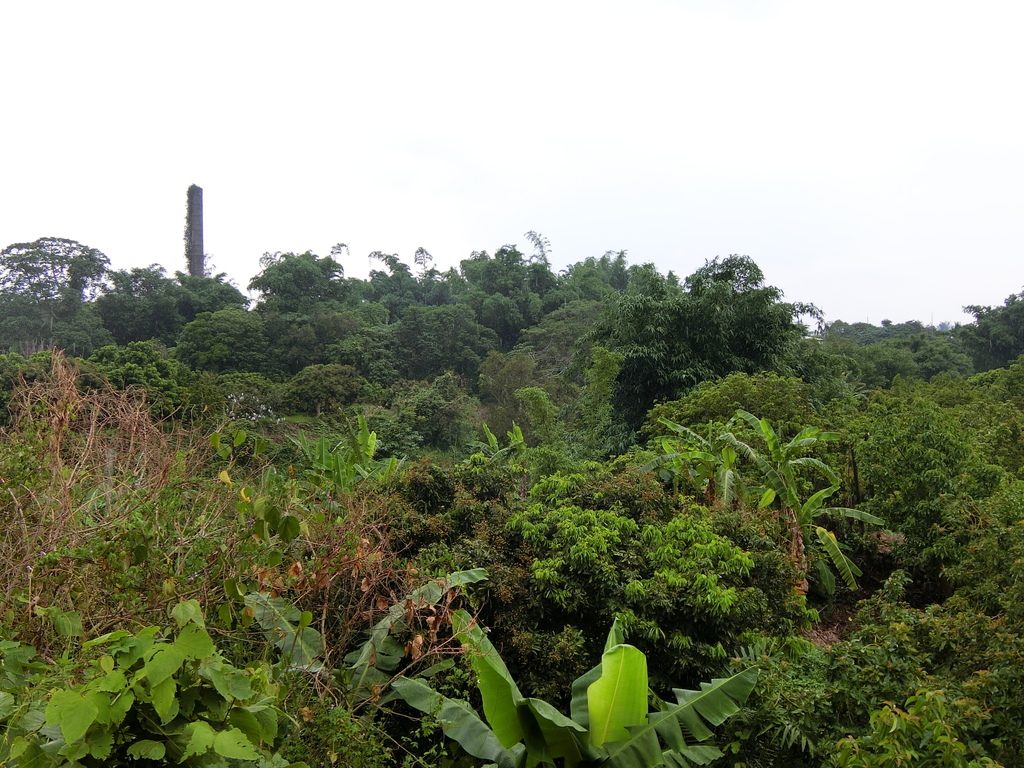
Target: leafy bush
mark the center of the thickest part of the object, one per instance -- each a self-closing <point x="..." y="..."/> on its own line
<point x="144" y="699"/>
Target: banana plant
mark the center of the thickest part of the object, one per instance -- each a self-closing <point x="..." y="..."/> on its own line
<point x="493" y="451"/>
<point x="341" y="466"/>
<point x="779" y="466"/>
<point x="615" y="721"/>
<point x="707" y="464"/>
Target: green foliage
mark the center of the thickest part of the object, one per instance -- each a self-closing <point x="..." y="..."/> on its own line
<point x="726" y="320"/>
<point x="501" y="376"/>
<point x="783" y="492"/>
<point x="140" y="305"/>
<point x="432" y="340"/>
<point x="493" y="451"/>
<point x="44" y="287"/>
<point x="505" y="291"/>
<point x="997" y="336"/>
<point x="334" y="735"/>
<point x="200" y="294"/>
<point x="340" y="467"/>
<point x="594" y="410"/>
<point x="294" y="283"/>
<point x="560" y="337"/>
<point x="920" y="735"/>
<point x="923" y="471"/>
<point x="226" y="341"/>
<point x="249" y="396"/>
<point x="370" y="347"/>
<point x="372" y="666"/>
<point x="143" y="365"/>
<point x="704" y="466"/>
<point x="439" y="413"/>
<point x="143" y="697"/>
<point x="288" y="628"/>
<point x="783" y="401"/>
<point x="675" y="584"/>
<point x="320" y="389"/>
<point x="611" y="722"/>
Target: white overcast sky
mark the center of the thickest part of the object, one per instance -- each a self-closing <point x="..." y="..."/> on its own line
<point x="869" y="156"/>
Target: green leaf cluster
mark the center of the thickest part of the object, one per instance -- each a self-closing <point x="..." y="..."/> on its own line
<point x="614" y="721"/>
<point x="147" y="697"/>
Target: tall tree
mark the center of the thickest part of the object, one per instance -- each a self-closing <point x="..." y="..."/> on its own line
<point x="141" y="304"/>
<point x="996" y="338"/>
<point x="228" y="341"/>
<point x="504" y="291"/>
<point x="206" y="294"/>
<point x="295" y="283"/>
<point x="44" y="286"/>
<point x="723" y="320"/>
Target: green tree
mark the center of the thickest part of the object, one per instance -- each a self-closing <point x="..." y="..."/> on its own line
<point x="725" y="320"/>
<point x="782" y="400"/>
<point x="919" y="736"/>
<point x="923" y="471"/>
<point x="705" y="466"/>
<point x="783" y="492"/>
<point x="206" y="294"/>
<point x="440" y="412"/>
<point x="227" y="341"/>
<point x="590" y="280"/>
<point x="44" y="289"/>
<point x="141" y="304"/>
<point x="431" y="340"/>
<point x="602" y="545"/>
<point x="506" y="292"/>
<point x="294" y="283"/>
<point x="370" y="347"/>
<point x="319" y="388"/>
<point x="395" y="289"/>
<point x="144" y="365"/>
<point x="997" y="335"/>
<point x="558" y="343"/>
<point x="500" y="377"/>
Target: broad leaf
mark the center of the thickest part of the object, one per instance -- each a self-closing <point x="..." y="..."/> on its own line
<point x="547" y="733"/>
<point x="74" y="712"/>
<point x="459" y="722"/>
<point x="194" y="642"/>
<point x="811" y="507"/>
<point x="618" y="698"/>
<point x="615" y="636"/>
<point x="165" y="662"/>
<point x="188" y="611"/>
<point x="233" y="743"/>
<point x="856" y="514"/>
<point x="230" y="682"/>
<point x="280" y="622"/>
<point x="716" y="701"/>
<point x="147" y="749"/>
<point x="578" y="708"/>
<point x="500" y="693"/>
<point x="847" y="569"/>
<point x="826" y="577"/>
<point x="200" y="739"/>
<point x="163" y="699"/>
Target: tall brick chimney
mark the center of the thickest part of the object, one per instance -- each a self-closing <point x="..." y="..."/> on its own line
<point x="194" y="253"/>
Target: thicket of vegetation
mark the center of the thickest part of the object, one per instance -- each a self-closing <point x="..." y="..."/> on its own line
<point x="500" y="515"/>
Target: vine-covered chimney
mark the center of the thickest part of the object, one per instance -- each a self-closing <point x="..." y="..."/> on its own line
<point x="194" y="233"/>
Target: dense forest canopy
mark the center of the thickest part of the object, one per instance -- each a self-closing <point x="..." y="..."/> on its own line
<point x="500" y="515"/>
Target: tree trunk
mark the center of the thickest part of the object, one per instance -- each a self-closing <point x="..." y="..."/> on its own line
<point x="797" y="551"/>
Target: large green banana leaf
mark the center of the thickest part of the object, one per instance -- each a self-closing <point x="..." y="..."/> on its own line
<point x="661" y="739"/>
